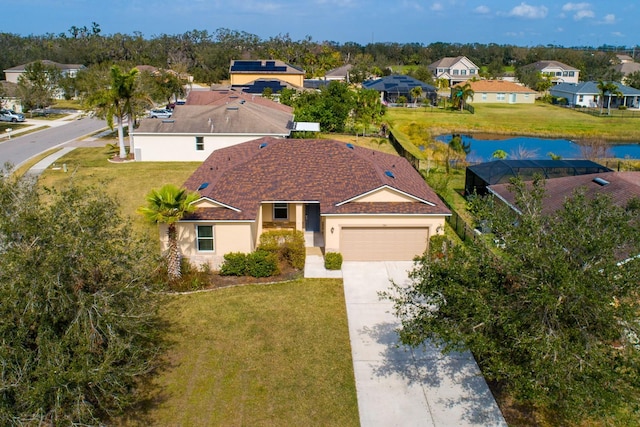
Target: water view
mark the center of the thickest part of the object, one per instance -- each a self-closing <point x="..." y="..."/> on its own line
<point x="535" y="148"/>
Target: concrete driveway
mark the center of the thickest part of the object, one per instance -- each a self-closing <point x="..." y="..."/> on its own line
<point x="400" y="386"/>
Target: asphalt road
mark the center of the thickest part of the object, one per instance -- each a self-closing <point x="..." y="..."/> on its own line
<point x="21" y="148"/>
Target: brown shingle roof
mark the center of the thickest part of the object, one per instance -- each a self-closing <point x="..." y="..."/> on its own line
<point x="324" y="171"/>
<point x="621" y="187"/>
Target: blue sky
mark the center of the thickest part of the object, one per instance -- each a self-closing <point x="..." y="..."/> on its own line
<point x="522" y="23"/>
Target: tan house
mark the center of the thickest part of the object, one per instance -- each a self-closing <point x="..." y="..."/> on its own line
<point x="363" y="203"/>
<point x="68" y="70"/>
<point x="245" y="72"/>
<point x="210" y="120"/>
<point x="499" y="92"/>
<point x="454" y="69"/>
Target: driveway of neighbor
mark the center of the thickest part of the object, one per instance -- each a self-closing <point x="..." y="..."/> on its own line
<point x="400" y="386"/>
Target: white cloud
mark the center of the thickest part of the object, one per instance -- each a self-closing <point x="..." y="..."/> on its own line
<point x="437" y="7"/>
<point x="482" y="10"/>
<point x="609" y="19"/>
<point x="581" y="14"/>
<point x="525" y="10"/>
<point x="617" y="34"/>
<point x="571" y="7"/>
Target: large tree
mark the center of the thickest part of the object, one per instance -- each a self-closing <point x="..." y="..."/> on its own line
<point x="551" y="313"/>
<point x="38" y="85"/>
<point x="168" y="205"/>
<point x="78" y="321"/>
<point x="459" y="95"/>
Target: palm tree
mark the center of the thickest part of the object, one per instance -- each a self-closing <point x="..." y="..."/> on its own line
<point x="168" y="205"/>
<point x="460" y="94"/>
<point x="116" y="101"/>
<point x="610" y="89"/>
<point x="416" y="93"/>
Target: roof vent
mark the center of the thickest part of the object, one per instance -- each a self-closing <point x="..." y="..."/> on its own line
<point x="203" y="186"/>
<point x="350" y="145"/>
<point x="264" y="144"/>
<point x="389" y="174"/>
<point x="600" y="181"/>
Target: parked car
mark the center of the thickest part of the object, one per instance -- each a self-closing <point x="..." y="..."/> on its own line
<point x="161" y="113"/>
<point x="11" y="116"/>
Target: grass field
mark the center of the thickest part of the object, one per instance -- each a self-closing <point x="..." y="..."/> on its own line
<point x="543" y="120"/>
<point x="259" y="355"/>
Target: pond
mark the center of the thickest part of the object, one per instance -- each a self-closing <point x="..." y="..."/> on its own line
<point x="483" y="147"/>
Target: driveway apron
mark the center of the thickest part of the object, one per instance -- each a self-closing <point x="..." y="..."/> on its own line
<point x="400" y="386"/>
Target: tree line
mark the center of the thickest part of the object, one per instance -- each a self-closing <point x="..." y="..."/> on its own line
<point x="206" y="55"/>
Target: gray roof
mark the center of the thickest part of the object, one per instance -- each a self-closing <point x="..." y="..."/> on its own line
<point x="541" y="65"/>
<point x="46" y="62"/>
<point x="447" y="62"/>
<point x="340" y="71"/>
<point x="589" y="88"/>
<point x="237" y="115"/>
<point x="627" y="68"/>
<point x="397" y="83"/>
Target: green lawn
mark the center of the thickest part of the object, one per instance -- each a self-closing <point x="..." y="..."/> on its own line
<point x="538" y="119"/>
<point x="257" y="355"/>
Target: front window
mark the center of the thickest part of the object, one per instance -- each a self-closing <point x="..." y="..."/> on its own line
<point x="455" y="72"/>
<point x="199" y="143"/>
<point x="463" y="72"/>
<point x="472" y="71"/>
<point x="500" y="96"/>
<point x="571" y="74"/>
<point x="484" y="96"/>
<point x="205" y="238"/>
<point x="280" y="211"/>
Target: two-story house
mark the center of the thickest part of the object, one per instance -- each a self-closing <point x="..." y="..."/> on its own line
<point x="557" y="71"/>
<point x="455" y="70"/>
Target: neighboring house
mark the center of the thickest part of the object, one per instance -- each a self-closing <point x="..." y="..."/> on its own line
<point x="557" y="71"/>
<point x="339" y="74"/>
<point x="499" y="91"/>
<point x="620" y="186"/>
<point x="479" y="177"/>
<point x="244" y="73"/>
<point x="365" y="204"/>
<point x="67" y="70"/>
<point x="210" y="120"/>
<point x="393" y="87"/>
<point x="587" y="94"/>
<point x="10" y="100"/>
<point x="626" y="68"/>
<point x="455" y="70"/>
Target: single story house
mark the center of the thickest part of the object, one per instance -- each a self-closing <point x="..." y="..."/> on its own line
<point x="365" y="204"/>
<point x="499" y="91"/>
<point x="479" y="177"/>
<point x="68" y="70"/>
<point x="558" y="71"/>
<point x="587" y="94"/>
<point x="393" y="87"/>
<point x="245" y="72"/>
<point x="454" y="69"/>
<point x="620" y="186"/>
<point x="208" y="121"/>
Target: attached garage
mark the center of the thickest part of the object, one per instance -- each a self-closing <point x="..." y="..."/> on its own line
<point x="383" y="243"/>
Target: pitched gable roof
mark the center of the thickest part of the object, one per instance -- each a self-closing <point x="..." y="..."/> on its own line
<point x="268" y="66"/>
<point x="541" y="65"/>
<point x="324" y="171"/>
<point x="620" y="186"/>
<point x="591" y="88"/>
<point x="46" y="62"/>
<point x="400" y="83"/>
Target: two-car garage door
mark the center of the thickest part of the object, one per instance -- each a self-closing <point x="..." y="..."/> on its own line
<point x="383" y="243"/>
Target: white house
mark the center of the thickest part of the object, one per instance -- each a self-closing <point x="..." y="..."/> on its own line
<point x="559" y="72"/>
<point x="210" y="120"/>
<point x="455" y="70"/>
<point x="587" y="94"/>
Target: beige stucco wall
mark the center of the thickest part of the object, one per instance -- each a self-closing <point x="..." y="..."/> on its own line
<point x="182" y="148"/>
<point x="245" y="78"/>
<point x="384" y="195"/>
<point x="492" y="98"/>
<point x="228" y="237"/>
<point x="332" y="240"/>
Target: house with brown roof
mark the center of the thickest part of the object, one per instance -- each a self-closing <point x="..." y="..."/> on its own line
<point x="499" y="92"/>
<point x="363" y="203"/>
<point x="455" y="70"/>
<point x="209" y="121"/>
<point x="620" y="186"/>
